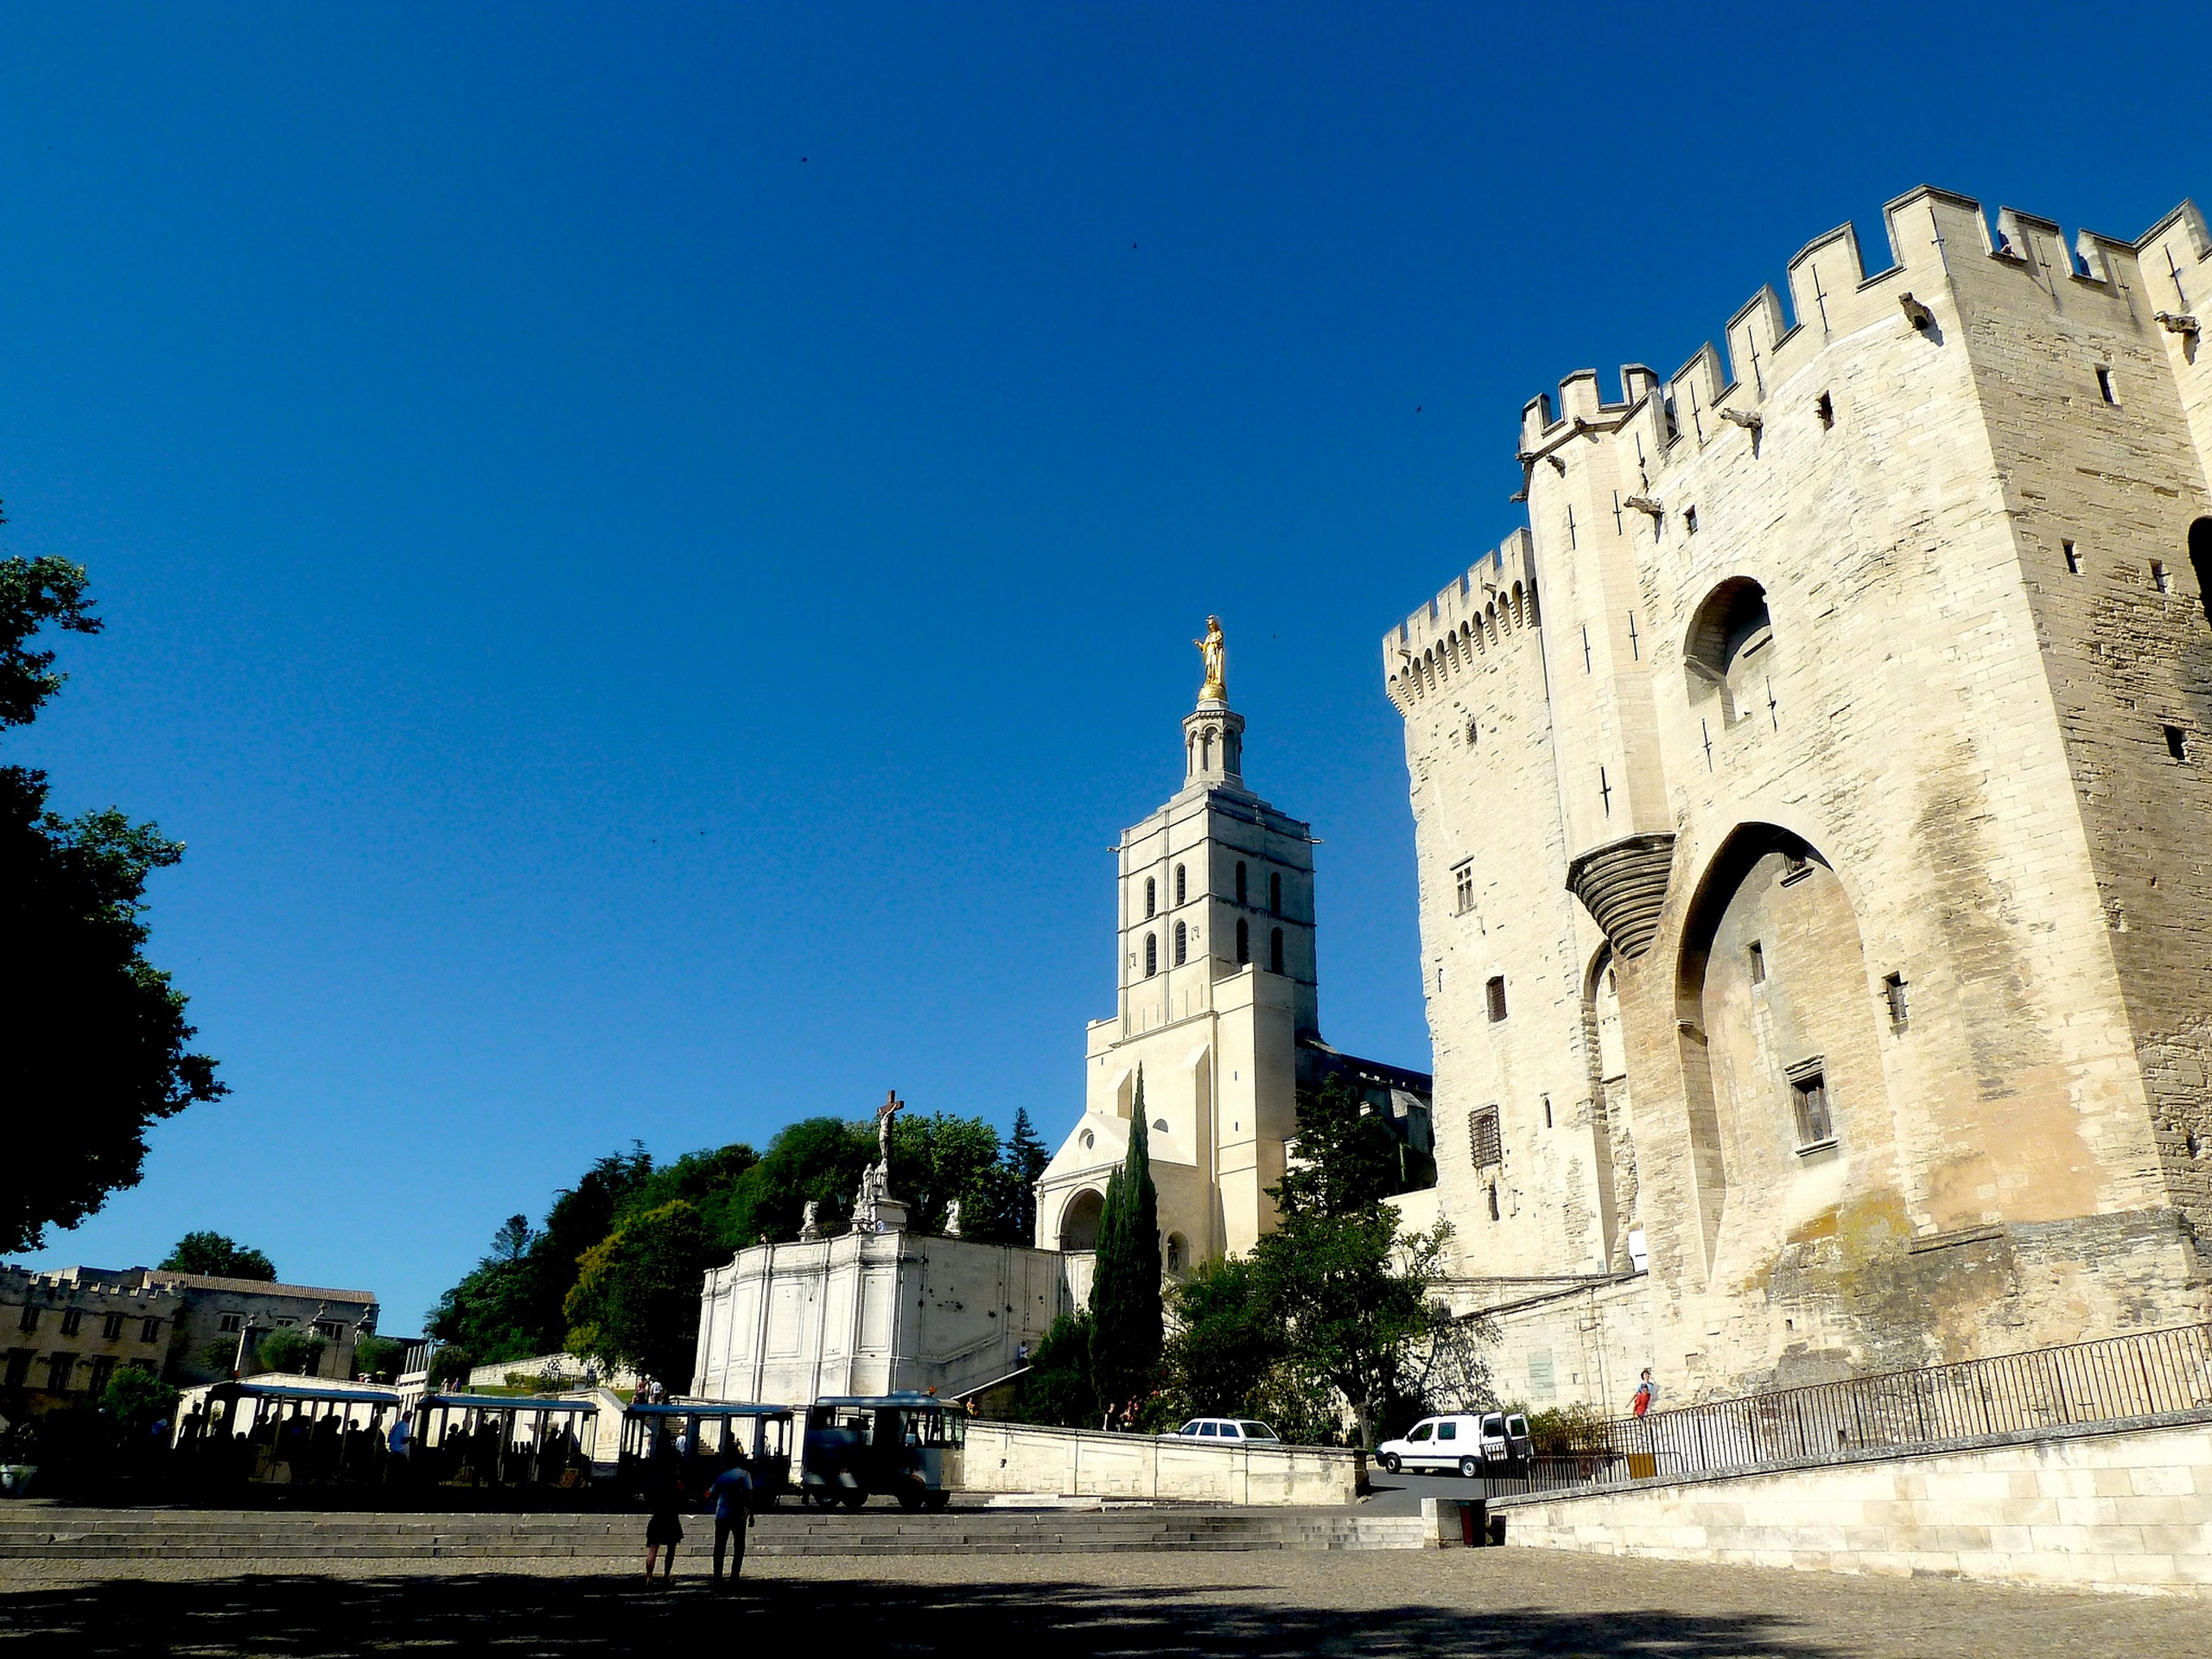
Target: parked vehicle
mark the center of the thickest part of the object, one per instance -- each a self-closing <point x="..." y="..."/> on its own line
<point x="713" y="1434"/>
<point x="1240" y="1429"/>
<point x="1505" y="1438"/>
<point x="906" y="1445"/>
<point x="1453" y="1441"/>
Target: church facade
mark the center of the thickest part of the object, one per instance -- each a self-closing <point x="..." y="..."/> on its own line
<point x="1217" y="1006"/>
<point x="1811" y="808"/>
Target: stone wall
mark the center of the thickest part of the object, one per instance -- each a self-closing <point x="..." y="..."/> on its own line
<point x="1081" y="1463"/>
<point x="2115" y="1509"/>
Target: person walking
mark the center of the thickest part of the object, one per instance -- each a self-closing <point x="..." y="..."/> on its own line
<point x="1644" y="1394"/>
<point x="666" y="1490"/>
<point x="732" y="1491"/>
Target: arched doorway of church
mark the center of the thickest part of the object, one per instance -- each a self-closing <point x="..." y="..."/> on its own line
<point x="1079" y="1220"/>
<point x="1780" y="1041"/>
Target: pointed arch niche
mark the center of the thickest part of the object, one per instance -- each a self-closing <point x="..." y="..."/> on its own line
<point x="1781" y="1053"/>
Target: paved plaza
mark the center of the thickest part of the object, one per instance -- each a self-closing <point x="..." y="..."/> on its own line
<point x="1376" y="1603"/>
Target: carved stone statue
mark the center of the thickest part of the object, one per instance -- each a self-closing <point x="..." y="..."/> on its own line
<point x="865" y="1201"/>
<point x="952" y="1219"/>
<point x="810" y="1222"/>
<point x="1215" y="652"/>
<point x="884" y="1113"/>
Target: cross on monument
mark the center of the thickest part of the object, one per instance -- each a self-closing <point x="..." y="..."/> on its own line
<point x="891" y="1106"/>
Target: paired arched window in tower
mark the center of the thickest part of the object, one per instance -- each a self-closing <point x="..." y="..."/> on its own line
<point x="1240" y="880"/>
<point x="1274" y="892"/>
<point x="1182" y="885"/>
<point x="1274" y="951"/>
<point x="1151" y="898"/>
<point x="1243" y="939"/>
<point x="1151" y="955"/>
<point x="1182" y="944"/>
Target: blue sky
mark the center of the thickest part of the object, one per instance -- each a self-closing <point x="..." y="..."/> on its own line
<point x="649" y="552"/>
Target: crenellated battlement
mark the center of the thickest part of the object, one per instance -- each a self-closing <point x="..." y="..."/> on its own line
<point x="1832" y="293"/>
<point x="1494" y="600"/>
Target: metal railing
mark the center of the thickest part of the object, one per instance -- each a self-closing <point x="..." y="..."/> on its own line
<point x="2100" y="1381"/>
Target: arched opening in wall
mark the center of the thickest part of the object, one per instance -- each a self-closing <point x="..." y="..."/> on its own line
<point x="1274" y="950"/>
<point x="1182" y="944"/>
<point x="1151" y="955"/>
<point x="1079" y="1220"/>
<point x="1606" y="1045"/>
<point x="1175" y="1255"/>
<point x="1151" y="898"/>
<point x="1205" y="750"/>
<point x="1243" y="942"/>
<point x="1728" y="652"/>
<point x="1240" y="880"/>
<point x="1780" y="1047"/>
<point x="1274" y="892"/>
<point x="1182" y="886"/>
<point x="2200" y="558"/>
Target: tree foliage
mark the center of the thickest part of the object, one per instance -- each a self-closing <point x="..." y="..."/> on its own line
<point x="1057" y="1389"/>
<point x="1125" y="1302"/>
<point x="1027" y="1155"/>
<point x="636" y="1301"/>
<point x="379" y="1357"/>
<point x="137" y="1400"/>
<point x="215" y="1256"/>
<point x="93" y="1040"/>
<point x="289" y="1348"/>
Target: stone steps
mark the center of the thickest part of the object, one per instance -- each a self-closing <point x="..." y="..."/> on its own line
<point x="81" y="1535"/>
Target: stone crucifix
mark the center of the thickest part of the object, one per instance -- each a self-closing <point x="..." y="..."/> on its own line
<point x="891" y="1105"/>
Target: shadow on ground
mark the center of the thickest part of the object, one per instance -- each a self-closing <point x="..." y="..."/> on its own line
<point x="498" y="1613"/>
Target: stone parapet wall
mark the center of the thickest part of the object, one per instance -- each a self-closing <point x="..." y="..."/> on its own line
<point x="2122" y="1507"/>
<point x="1082" y="1463"/>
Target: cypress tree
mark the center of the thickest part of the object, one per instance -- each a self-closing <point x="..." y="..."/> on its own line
<point x="1125" y="1310"/>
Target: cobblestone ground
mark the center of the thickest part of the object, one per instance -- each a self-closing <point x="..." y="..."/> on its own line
<point x="1383" y="1603"/>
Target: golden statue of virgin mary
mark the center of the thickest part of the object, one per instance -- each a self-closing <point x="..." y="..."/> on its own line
<point x="1215" y="653"/>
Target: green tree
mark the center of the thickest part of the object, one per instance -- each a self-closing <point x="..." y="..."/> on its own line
<point x="289" y="1348"/>
<point x="941" y="1158"/>
<point x="580" y="1216"/>
<point x="215" y="1256"/>
<point x="1057" y="1389"/>
<point x="450" y="1366"/>
<point x="818" y="1159"/>
<point x="93" y="1040"/>
<point x="379" y="1357"/>
<point x="137" y="1400"/>
<point x="1125" y="1303"/>
<point x="1025" y="1157"/>
<point x="1225" y="1342"/>
<point x="637" y="1294"/>
<point x="512" y="1242"/>
<point x="1344" y="1160"/>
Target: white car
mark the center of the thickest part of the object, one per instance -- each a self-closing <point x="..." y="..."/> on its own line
<point x="1461" y="1441"/>
<point x="1240" y="1430"/>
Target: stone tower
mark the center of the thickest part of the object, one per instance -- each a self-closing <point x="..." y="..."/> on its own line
<point x="1215" y="965"/>
<point x="1813" y="896"/>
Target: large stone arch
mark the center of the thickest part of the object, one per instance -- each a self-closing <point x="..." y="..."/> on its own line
<point x="1782" y="1063"/>
<point x="1078" y="1225"/>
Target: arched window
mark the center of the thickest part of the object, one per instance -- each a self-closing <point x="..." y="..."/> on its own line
<point x="1182" y="944"/>
<point x="1151" y="955"/>
<point x="2200" y="555"/>
<point x="1240" y="880"/>
<point x="1182" y="886"/>
<point x="1275" y="892"/>
<point x="1151" y="898"/>
<point x="1274" y="951"/>
<point x="1243" y="942"/>
<point x="1728" y="647"/>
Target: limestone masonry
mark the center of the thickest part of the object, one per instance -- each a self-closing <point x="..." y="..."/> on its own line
<point x="1810" y="807"/>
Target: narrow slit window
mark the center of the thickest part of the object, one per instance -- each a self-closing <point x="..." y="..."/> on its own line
<point x="2073" y="558"/>
<point x="1756" y="954"/>
<point x="2178" y="743"/>
<point x="2159" y="579"/>
<point x="1240" y="880"/>
<point x="1493" y="1203"/>
<point x="1182" y="885"/>
<point x="1151" y="955"/>
<point x="1495" y="995"/>
<point x="1274" y="950"/>
<point x="1243" y="942"/>
<point x="1182" y="944"/>
<point x="1893" y="994"/>
<point x="1151" y="898"/>
<point x="1825" y="407"/>
<point x="2105" y="388"/>
<point x="1690" y="521"/>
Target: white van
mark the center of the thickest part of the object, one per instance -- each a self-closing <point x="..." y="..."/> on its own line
<point x="1466" y="1441"/>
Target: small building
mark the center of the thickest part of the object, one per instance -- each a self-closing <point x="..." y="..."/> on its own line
<point x="64" y="1334"/>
